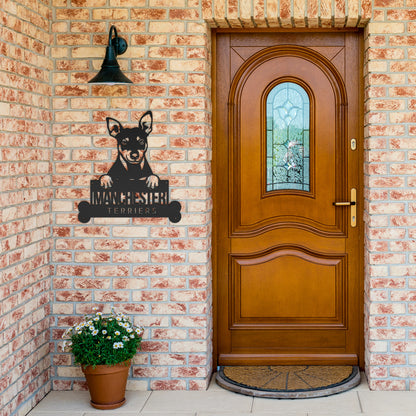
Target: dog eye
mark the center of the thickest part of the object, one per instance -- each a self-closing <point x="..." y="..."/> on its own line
<point x="141" y="141"/>
<point x="124" y="141"/>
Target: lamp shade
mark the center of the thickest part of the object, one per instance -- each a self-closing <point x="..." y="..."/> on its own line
<point x="110" y="72"/>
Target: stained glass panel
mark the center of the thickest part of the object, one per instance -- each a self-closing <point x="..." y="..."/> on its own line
<point x="288" y="114"/>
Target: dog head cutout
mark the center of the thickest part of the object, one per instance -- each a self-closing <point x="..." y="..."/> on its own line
<point x="131" y="163"/>
<point x="131" y="142"/>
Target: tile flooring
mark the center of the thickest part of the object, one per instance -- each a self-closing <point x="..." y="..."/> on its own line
<point x="218" y="402"/>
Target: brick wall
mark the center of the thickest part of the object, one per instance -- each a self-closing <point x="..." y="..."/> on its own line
<point x="390" y="41"/>
<point x="25" y="230"/>
<point x="156" y="271"/>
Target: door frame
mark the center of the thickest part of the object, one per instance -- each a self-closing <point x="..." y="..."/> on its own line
<point x="216" y="199"/>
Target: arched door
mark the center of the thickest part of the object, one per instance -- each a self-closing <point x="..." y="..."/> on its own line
<point x="288" y="199"/>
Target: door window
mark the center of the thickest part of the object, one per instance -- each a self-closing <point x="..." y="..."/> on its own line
<point x="287" y="124"/>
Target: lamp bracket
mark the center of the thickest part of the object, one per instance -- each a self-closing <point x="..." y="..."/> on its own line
<point x="119" y="44"/>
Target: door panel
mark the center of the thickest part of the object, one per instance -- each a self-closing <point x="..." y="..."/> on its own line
<point x="306" y="209"/>
<point x="288" y="262"/>
<point x="274" y="299"/>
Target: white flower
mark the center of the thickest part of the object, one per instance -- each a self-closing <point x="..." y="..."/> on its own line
<point x="95" y="332"/>
<point x="99" y="313"/>
<point x="118" y="318"/>
<point x="67" y="333"/>
<point x="129" y="330"/>
<point x="132" y="336"/>
<point x="91" y="328"/>
<point x="117" y="345"/>
<point x="66" y="344"/>
<point x="139" y="331"/>
<point x="95" y="309"/>
<point x="109" y="337"/>
<point x="104" y="331"/>
<point x="79" y="332"/>
<point x="96" y="319"/>
<point x="117" y="333"/>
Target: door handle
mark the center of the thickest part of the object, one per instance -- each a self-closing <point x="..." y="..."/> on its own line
<point x="343" y="204"/>
<point x="352" y="204"/>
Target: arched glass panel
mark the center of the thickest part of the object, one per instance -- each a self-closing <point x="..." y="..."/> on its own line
<point x="288" y="114"/>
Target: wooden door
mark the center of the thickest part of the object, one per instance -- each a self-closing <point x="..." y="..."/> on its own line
<point x="288" y="268"/>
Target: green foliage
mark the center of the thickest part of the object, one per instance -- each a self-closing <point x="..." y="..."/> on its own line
<point x="101" y="339"/>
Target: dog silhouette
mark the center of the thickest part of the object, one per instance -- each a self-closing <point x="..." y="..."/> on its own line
<point x="131" y="163"/>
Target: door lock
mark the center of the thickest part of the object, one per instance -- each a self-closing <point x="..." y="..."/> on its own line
<point x="352" y="204"/>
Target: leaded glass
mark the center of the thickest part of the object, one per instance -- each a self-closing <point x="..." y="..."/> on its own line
<point x="288" y="113"/>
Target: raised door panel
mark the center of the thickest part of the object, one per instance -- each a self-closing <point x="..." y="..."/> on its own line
<point x="287" y="287"/>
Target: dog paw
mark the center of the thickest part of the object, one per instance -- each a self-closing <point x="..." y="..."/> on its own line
<point x="152" y="181"/>
<point x="106" y="181"/>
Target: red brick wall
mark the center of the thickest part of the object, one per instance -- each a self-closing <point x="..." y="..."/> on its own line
<point x="156" y="271"/>
<point x="25" y="181"/>
<point x="390" y="195"/>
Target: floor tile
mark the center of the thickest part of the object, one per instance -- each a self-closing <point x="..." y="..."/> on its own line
<point x="36" y="412"/>
<point x="78" y="402"/>
<point x="202" y="401"/>
<point x="336" y="413"/>
<point x="113" y="413"/>
<point x="59" y="402"/>
<point x="251" y="414"/>
<point x="347" y="401"/>
<point x="401" y="413"/>
<point x="167" y="414"/>
<point x="388" y="402"/>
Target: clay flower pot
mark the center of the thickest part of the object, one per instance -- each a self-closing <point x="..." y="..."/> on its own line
<point x="107" y="384"/>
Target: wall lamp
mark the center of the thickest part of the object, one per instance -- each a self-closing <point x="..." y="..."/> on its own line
<point x="110" y="72"/>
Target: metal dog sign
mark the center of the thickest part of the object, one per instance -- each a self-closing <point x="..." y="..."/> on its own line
<point x="130" y="188"/>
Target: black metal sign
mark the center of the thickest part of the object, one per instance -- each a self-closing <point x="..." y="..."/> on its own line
<point x="130" y="188"/>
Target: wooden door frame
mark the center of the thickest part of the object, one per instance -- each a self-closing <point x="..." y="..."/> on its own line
<point x="216" y="212"/>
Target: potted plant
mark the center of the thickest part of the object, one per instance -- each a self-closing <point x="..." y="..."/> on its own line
<point x="104" y="346"/>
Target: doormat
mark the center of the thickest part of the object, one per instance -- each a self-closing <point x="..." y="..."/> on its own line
<point x="288" y="381"/>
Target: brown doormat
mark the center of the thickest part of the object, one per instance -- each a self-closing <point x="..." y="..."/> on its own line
<point x="288" y="381"/>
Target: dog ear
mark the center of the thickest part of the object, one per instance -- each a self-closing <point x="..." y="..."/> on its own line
<point x="146" y="122"/>
<point x="114" y="127"/>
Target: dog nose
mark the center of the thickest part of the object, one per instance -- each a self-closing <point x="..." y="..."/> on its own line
<point x="134" y="155"/>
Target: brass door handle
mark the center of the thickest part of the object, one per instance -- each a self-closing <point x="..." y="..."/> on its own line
<point x="343" y="204"/>
<point x="352" y="204"/>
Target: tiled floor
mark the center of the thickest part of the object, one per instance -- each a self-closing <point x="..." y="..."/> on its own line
<point x="218" y="402"/>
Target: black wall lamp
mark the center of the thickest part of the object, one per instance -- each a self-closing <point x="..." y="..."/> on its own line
<point x="110" y="72"/>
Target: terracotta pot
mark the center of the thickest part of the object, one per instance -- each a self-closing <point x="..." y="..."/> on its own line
<point x="107" y="384"/>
